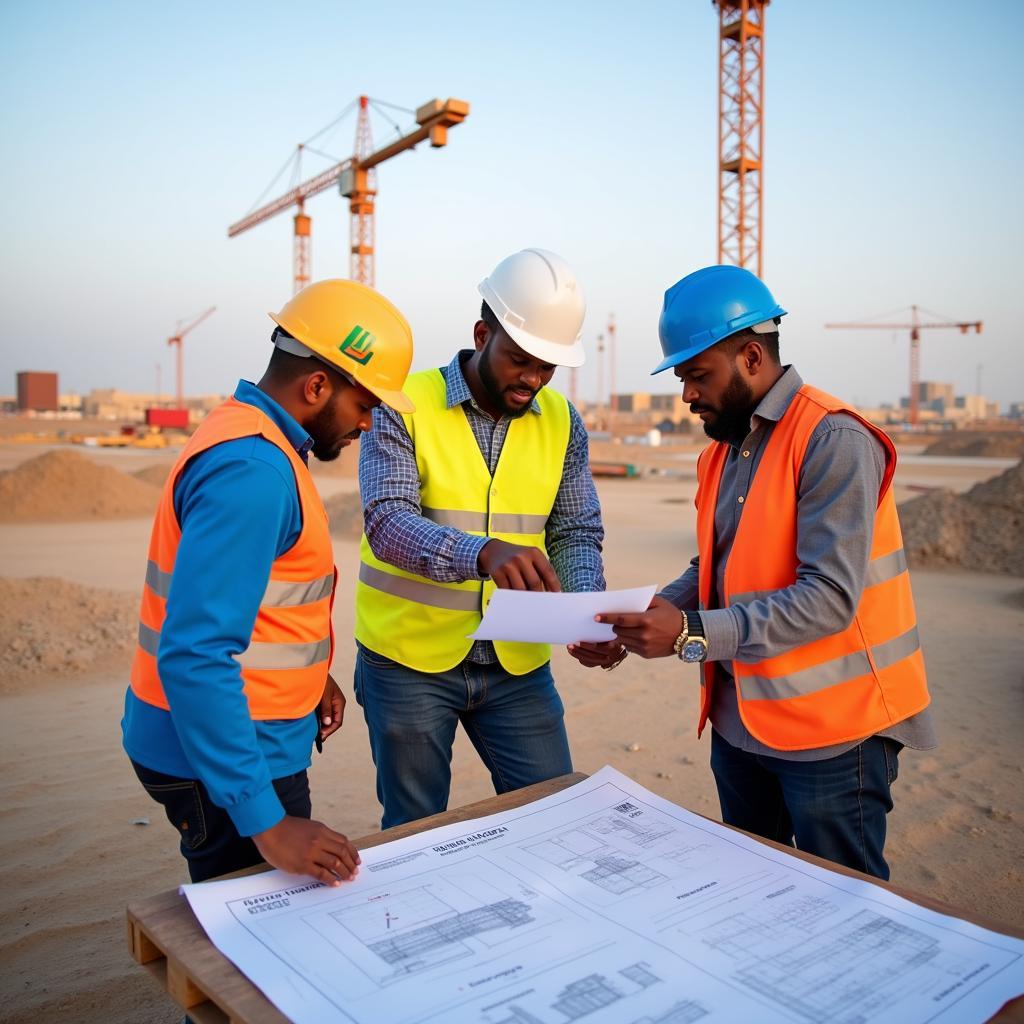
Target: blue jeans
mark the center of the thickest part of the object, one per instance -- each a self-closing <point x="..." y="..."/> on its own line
<point x="210" y="843"/>
<point x="834" y="808"/>
<point x="515" y="723"/>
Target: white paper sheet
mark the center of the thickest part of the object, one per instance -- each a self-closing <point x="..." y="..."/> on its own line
<point x="602" y="904"/>
<point x="544" y="618"/>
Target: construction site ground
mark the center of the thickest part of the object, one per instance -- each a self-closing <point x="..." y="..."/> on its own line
<point x="81" y="838"/>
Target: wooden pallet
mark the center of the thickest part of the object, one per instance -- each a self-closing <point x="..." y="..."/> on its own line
<point x="167" y="940"/>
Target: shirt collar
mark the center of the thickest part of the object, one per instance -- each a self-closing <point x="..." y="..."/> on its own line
<point x="296" y="434"/>
<point x="457" y="390"/>
<point x="775" y="403"/>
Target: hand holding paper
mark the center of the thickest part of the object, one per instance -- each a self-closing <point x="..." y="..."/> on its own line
<point x="546" y="618"/>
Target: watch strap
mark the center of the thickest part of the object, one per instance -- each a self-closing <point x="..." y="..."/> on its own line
<point x="684" y="635"/>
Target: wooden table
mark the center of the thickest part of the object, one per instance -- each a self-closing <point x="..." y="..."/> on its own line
<point x="167" y="940"/>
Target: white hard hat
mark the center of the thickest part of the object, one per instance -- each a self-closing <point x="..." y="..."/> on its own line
<point x="537" y="300"/>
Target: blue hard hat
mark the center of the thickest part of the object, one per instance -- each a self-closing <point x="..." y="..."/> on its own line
<point x="707" y="306"/>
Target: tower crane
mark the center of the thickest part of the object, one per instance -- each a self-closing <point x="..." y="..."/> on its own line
<point x="355" y="180"/>
<point x="740" y="131"/>
<point x="176" y="340"/>
<point x="915" y="327"/>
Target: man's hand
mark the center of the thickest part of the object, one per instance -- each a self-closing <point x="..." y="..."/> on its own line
<point x="650" y="634"/>
<point x="598" y="655"/>
<point x="517" y="567"/>
<point x="332" y="709"/>
<point x="303" y="847"/>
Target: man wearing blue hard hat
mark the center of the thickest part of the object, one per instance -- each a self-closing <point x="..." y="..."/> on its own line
<point x="798" y="604"/>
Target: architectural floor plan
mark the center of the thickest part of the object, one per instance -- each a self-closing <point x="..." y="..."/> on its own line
<point x="602" y="904"/>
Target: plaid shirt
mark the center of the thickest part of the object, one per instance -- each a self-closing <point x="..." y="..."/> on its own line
<point x="399" y="533"/>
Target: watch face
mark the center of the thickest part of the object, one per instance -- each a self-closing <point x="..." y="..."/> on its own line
<point x="694" y="650"/>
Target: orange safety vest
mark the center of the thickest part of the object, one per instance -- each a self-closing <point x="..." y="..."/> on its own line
<point x="284" y="668"/>
<point x="838" y="688"/>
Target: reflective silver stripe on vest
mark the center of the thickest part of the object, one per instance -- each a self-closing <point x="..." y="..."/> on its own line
<point x="460" y="519"/>
<point x="286" y="593"/>
<point x="830" y="673"/>
<point x="897" y="649"/>
<point x="886" y="568"/>
<point x="419" y="591"/>
<point x="149" y="639"/>
<point x="284" y="656"/>
<point x="157" y="580"/>
<point x="476" y="522"/>
<point x="517" y="522"/>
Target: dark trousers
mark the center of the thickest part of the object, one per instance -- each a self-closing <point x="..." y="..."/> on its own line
<point x="834" y="808"/>
<point x="210" y="843"/>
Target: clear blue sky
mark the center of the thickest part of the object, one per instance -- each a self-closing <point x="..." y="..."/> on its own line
<point x="135" y="133"/>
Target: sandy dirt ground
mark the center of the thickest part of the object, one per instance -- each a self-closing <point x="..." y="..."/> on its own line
<point x="68" y="797"/>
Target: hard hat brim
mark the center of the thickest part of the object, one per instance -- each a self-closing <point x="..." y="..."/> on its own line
<point x="397" y="400"/>
<point x="547" y="351"/>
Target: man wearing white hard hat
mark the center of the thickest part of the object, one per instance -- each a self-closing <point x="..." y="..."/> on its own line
<point x="486" y="485"/>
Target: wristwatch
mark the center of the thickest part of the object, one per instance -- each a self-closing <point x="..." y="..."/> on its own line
<point x="695" y="648"/>
<point x="677" y="644"/>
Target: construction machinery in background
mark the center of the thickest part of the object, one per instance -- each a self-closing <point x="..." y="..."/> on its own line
<point x="178" y="416"/>
<point x="741" y="132"/>
<point x="915" y="327"/>
<point x="355" y="179"/>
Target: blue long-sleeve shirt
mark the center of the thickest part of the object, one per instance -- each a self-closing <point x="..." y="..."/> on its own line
<point x="239" y="510"/>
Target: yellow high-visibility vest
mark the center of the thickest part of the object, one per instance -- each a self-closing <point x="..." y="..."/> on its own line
<point x="424" y="624"/>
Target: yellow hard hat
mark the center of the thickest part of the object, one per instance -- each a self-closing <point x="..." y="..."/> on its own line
<point x="356" y="329"/>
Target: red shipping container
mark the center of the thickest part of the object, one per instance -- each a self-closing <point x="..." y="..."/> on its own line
<point x="173" y="418"/>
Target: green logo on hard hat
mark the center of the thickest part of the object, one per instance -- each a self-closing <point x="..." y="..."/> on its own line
<point x="358" y="345"/>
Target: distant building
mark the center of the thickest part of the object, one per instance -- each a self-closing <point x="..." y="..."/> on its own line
<point x="112" y="404"/>
<point x="37" y="392"/>
<point x="974" y="407"/>
<point x="640" y="409"/>
<point x="932" y="394"/>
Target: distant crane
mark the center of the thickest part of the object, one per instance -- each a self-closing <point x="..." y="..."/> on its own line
<point x="356" y="183"/>
<point x="176" y="339"/>
<point x="915" y="327"/>
<point x="613" y="398"/>
<point x="740" y="131"/>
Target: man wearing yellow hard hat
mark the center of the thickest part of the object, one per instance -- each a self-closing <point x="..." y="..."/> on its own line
<point x="487" y="484"/>
<point x="230" y="683"/>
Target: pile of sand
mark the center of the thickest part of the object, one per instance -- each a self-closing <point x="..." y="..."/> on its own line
<point x="50" y="627"/>
<point x="63" y="486"/>
<point x="346" y="514"/>
<point x="982" y="530"/>
<point x="992" y="446"/>
<point x="155" y="475"/>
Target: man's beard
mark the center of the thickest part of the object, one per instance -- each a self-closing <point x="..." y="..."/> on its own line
<point x="493" y="389"/>
<point x="326" y="439"/>
<point x="732" y="417"/>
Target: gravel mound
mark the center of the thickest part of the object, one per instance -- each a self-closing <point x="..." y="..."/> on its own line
<point x="992" y="446"/>
<point x="345" y="512"/>
<point x="53" y="628"/>
<point x="982" y="530"/>
<point x="63" y="486"/>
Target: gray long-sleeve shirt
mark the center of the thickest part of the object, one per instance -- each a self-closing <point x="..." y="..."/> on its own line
<point x="836" y="500"/>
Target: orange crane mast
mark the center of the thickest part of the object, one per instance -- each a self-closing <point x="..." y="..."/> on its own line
<point x="915" y="327"/>
<point x="740" y="131"/>
<point x="175" y="340"/>
<point x="355" y="180"/>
